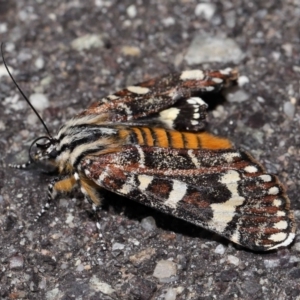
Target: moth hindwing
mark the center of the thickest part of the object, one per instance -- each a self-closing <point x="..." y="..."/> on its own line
<point x="145" y="142"/>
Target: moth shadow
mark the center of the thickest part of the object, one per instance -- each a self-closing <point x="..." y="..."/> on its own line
<point x="136" y="211"/>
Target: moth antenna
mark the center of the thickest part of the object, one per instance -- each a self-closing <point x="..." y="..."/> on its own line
<point x="24" y="96"/>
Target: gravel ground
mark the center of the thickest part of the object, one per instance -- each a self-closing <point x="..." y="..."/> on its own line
<point x="65" y="54"/>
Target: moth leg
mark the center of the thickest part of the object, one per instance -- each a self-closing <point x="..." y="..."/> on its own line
<point x="91" y="192"/>
<point x="57" y="186"/>
<point x="21" y="166"/>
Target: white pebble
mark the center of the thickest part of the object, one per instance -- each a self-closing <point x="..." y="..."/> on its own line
<point x="2" y="126"/>
<point x="242" y="80"/>
<point x="297" y="246"/>
<point x="148" y="224"/>
<point x="233" y="260"/>
<point x="39" y="101"/>
<point x="3" y="27"/>
<point x="289" y="109"/>
<point x="165" y="269"/>
<point x="87" y="42"/>
<point x="3" y="71"/>
<point x="168" y="21"/>
<point x="206" y="10"/>
<point x="217" y="48"/>
<point x="100" y="286"/>
<point x="131" y="11"/>
<point x="271" y="263"/>
<point x="170" y="294"/>
<point x="220" y="249"/>
<point x="260" y="99"/>
<point x="117" y="246"/>
<point x="39" y="63"/>
<point x="237" y="96"/>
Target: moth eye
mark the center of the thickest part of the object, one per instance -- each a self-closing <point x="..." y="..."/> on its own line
<point x="53" y="153"/>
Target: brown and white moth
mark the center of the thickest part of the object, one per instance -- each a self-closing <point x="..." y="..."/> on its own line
<point x="147" y="142"/>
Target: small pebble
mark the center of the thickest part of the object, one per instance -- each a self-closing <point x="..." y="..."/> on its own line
<point x="148" y="224"/>
<point x="168" y="21"/>
<point x="260" y="99"/>
<point x="39" y="63"/>
<point x="3" y="71"/>
<point x="3" y="27"/>
<point x="213" y="49"/>
<point x="87" y="42"/>
<point x="117" y="246"/>
<point x="289" y="109"/>
<point x="233" y="260"/>
<point x="131" y="11"/>
<point x="242" y="80"/>
<point x="39" y="101"/>
<point x="99" y="286"/>
<point x="142" y="256"/>
<point x="53" y="294"/>
<point x="271" y="263"/>
<point x="69" y="219"/>
<point x="131" y="51"/>
<point x="205" y="10"/>
<point x="220" y="249"/>
<point x="297" y="247"/>
<point x="165" y="269"/>
<point x="170" y="294"/>
<point x="237" y="96"/>
<point x="80" y="268"/>
<point x="16" y="262"/>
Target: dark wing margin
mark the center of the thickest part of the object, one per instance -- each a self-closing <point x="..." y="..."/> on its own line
<point x="225" y="191"/>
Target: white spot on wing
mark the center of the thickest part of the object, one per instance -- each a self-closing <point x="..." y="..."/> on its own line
<point x="102" y="177"/>
<point x="230" y="177"/>
<point x="251" y="169"/>
<point x="193" y="158"/>
<point x="277" y="202"/>
<point x="223" y="213"/>
<point x="127" y="109"/>
<point x="144" y="180"/>
<point x="127" y="187"/>
<point x="229" y="157"/>
<point x="265" y="178"/>
<point x="217" y="80"/>
<point x="142" y="156"/>
<point x="280" y="213"/>
<point x="226" y="71"/>
<point x="273" y="190"/>
<point x="287" y="241"/>
<point x="235" y="237"/>
<point x="192" y="75"/>
<point x="177" y="193"/>
<point x="169" y="115"/>
<point x="281" y="225"/>
<point x="138" y="90"/>
<point x="196" y="100"/>
<point x="277" y="237"/>
<point x="209" y="88"/>
<point x="112" y="97"/>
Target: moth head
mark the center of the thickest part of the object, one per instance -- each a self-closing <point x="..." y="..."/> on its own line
<point x="43" y="153"/>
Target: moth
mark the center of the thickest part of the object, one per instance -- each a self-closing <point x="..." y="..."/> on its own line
<point x="148" y="142"/>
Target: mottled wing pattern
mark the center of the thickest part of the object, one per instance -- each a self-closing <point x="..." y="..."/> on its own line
<point x="225" y="191"/>
<point x="173" y="100"/>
